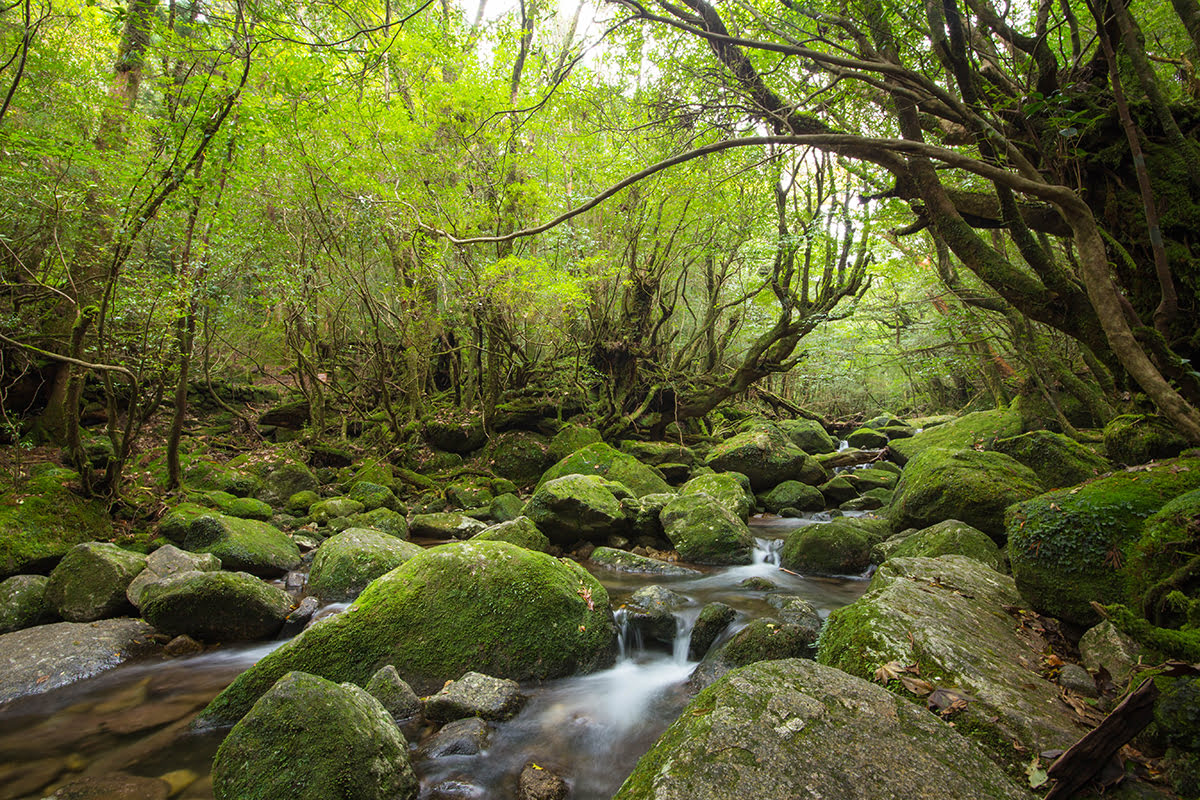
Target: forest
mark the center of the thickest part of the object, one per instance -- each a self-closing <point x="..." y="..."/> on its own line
<point x="599" y="399"/>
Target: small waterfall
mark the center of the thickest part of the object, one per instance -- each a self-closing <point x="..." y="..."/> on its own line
<point x="843" y="445"/>
<point x="766" y="551"/>
<point x="685" y="621"/>
<point x="629" y="637"/>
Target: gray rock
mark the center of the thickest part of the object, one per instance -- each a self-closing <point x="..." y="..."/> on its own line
<point x="646" y="520"/>
<point x="797" y="611"/>
<point x="116" y="786"/>
<point x="651" y="612"/>
<point x="245" y="545"/>
<point x="397" y="697"/>
<point x="947" y="615"/>
<point x="625" y="561"/>
<point x="714" y="618"/>
<point x="1077" y="679"/>
<point x="90" y="582"/>
<point x="462" y="737"/>
<point x="538" y="783"/>
<point x="783" y="730"/>
<point x="323" y="738"/>
<point x="36" y="660"/>
<point x="475" y="695"/>
<point x="299" y="617"/>
<point x="166" y="561"/>
<point x="1105" y="647"/>
<point x="23" y="603"/>
<point x="216" y="606"/>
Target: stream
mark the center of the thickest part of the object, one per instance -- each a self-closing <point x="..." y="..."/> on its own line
<point x="591" y="729"/>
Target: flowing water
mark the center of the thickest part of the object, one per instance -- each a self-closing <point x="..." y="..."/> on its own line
<point x="591" y="729"/>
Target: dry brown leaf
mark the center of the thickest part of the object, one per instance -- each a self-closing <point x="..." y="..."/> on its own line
<point x="889" y="671"/>
<point x="917" y="686"/>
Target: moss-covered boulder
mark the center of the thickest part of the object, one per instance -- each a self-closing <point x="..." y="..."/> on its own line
<point x="42" y="518"/>
<point x="576" y="507"/>
<point x="520" y="531"/>
<point x="968" y="485"/>
<point x="164" y="562"/>
<point x="243" y="507"/>
<point x="767" y="457"/>
<point x="90" y="581"/>
<point x="1058" y="460"/>
<point x="492" y="607"/>
<point x="216" y="606"/>
<point x="23" y="603"/>
<point x="705" y="532"/>
<point x="506" y="507"/>
<point x="376" y="471"/>
<point x="456" y="432"/>
<point x="787" y="729"/>
<point x="865" y="480"/>
<point x="730" y="489"/>
<point x="519" y="456"/>
<point x="980" y="428"/>
<point x="570" y="438"/>
<point x="312" y="739"/>
<point x="299" y="503"/>
<point x="793" y="494"/>
<point x="383" y="520"/>
<point x="443" y="525"/>
<point x="282" y="479"/>
<point x="838" y="489"/>
<point x="809" y="435"/>
<point x="865" y="438"/>
<point x="1067" y="547"/>
<point x="658" y="453"/>
<point x="1159" y="559"/>
<point x="470" y="492"/>
<point x="334" y="508"/>
<point x="950" y="537"/>
<point x="347" y="562"/>
<point x="243" y="545"/>
<point x="374" y="495"/>
<point x="607" y="462"/>
<point x="1132" y="439"/>
<point x="838" y="547"/>
<point x="761" y="640"/>
<point x="947" y="616"/>
<point x="625" y="561"/>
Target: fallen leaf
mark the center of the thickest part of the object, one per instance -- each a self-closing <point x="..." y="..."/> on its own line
<point x="889" y="671"/>
<point x="917" y="686"/>
<point x="947" y="701"/>
<point x="1037" y="776"/>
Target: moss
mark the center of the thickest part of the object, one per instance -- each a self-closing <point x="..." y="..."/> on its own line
<point x="835" y="548"/>
<point x="705" y="532"/>
<point x="968" y="485"/>
<point x="347" y="562"/>
<point x="471" y="492"/>
<point x="1137" y="438"/>
<point x="520" y="531"/>
<point x="767" y="457"/>
<point x="576" y="507"/>
<point x="216" y="606"/>
<point x="658" y="453"/>
<point x="1058" y="460"/>
<point x="383" y="520"/>
<point x="23" y="603"/>
<point x="730" y="489"/>
<point x="1170" y="539"/>
<point x="793" y="494"/>
<point x="90" y="581"/>
<point x="243" y="507"/>
<point x="1171" y="643"/>
<point x="571" y="438"/>
<point x="980" y="428"/>
<point x="867" y="439"/>
<point x="600" y="459"/>
<point x="373" y="496"/>
<point x="948" y="538"/>
<point x="375" y="471"/>
<point x="299" y="503"/>
<point x="241" y="544"/>
<point x="519" y="456"/>
<point x="808" y="435"/>
<point x="42" y="518"/>
<point x="764" y="640"/>
<point x="330" y="741"/>
<point x="491" y="607"/>
<point x="1067" y="547"/>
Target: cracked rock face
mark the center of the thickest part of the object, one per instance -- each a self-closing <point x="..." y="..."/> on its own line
<point x="789" y="729"/>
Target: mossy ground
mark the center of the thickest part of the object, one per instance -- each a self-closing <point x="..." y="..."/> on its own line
<point x="41" y="518"/>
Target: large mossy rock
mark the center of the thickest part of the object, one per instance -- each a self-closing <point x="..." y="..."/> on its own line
<point x="1169" y="541"/>
<point x="243" y="545"/>
<point x="312" y="739"/>
<point x="491" y="607"/>
<point x="947" y="538"/>
<point x="456" y="433"/>
<point x="763" y="639"/>
<point x="1132" y="439"/>
<point x="324" y="511"/>
<point x="1067" y="547"/>
<point x="730" y="489"/>
<point x="42" y="518"/>
<point x="282" y="479"/>
<point x="767" y="457"/>
<point x="782" y="730"/>
<point x="90" y="582"/>
<point x="519" y="456"/>
<point x="947" y="615"/>
<point x="520" y="531"/>
<point x="968" y="485"/>
<point x="571" y="438"/>
<point x="442" y="525"/>
<point x="703" y="531"/>
<point x="164" y="562"/>
<point x="980" y="428"/>
<point x="809" y="435"/>
<point x="216" y="606"/>
<point x="658" y="453"/>
<point x="1059" y="461"/>
<point x="793" y="494"/>
<point x="867" y="438"/>
<point x="576" y="507"/>
<point x="838" y="547"/>
<point x="607" y="462"/>
<point x="346" y="563"/>
<point x="625" y="561"/>
<point x="23" y="603"/>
